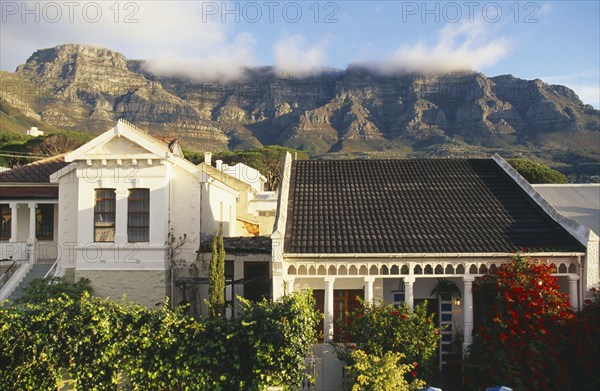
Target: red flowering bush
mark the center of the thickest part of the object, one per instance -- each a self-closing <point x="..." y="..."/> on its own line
<point x="380" y="328"/>
<point x="521" y="344"/>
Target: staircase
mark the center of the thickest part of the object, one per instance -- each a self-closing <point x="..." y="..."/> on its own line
<point x="38" y="270"/>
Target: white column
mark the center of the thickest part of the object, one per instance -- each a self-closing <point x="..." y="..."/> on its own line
<point x="369" y="289"/>
<point x="409" y="297"/>
<point x="468" y="310"/>
<point x="573" y="299"/>
<point x="121" y="196"/>
<point x="289" y="285"/>
<point x="13" y="221"/>
<point x="328" y="326"/>
<point x="31" y="240"/>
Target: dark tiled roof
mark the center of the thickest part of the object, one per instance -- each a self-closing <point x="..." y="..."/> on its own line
<point x="28" y="192"/>
<point x="414" y="206"/>
<point x="39" y="171"/>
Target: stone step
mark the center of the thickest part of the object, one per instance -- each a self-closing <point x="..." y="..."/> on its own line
<point x="38" y="270"/>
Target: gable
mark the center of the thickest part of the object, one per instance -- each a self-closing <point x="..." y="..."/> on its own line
<point x="117" y="147"/>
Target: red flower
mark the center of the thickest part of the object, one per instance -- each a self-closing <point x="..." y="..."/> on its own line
<point x="414" y="374"/>
<point x="437" y="331"/>
<point x="358" y="315"/>
<point x="416" y="364"/>
<point x="403" y="316"/>
<point x="395" y="313"/>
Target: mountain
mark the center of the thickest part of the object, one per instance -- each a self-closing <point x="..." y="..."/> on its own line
<point x="355" y="112"/>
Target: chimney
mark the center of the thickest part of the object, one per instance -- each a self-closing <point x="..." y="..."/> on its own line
<point x="219" y="165"/>
<point x="208" y="157"/>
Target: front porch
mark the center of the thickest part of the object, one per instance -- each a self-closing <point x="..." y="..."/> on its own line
<point x="28" y="230"/>
<point x="407" y="281"/>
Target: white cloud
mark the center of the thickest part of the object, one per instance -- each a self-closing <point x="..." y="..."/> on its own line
<point x="224" y="64"/>
<point x="294" y="55"/>
<point x="589" y="94"/>
<point x="459" y="47"/>
<point x="159" y="31"/>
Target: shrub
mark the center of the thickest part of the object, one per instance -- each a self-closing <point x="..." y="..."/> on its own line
<point x="42" y="289"/>
<point x="101" y="343"/>
<point x="380" y="328"/>
<point x="521" y="343"/>
<point x="384" y="373"/>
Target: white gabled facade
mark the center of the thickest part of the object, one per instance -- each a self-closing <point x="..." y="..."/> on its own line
<point x="179" y="200"/>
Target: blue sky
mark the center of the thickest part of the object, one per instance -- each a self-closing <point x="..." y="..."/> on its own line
<point x="557" y="41"/>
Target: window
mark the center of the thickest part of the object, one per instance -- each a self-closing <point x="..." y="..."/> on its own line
<point x="104" y="215"/>
<point x="44" y="222"/>
<point x="138" y="215"/>
<point x="5" y="217"/>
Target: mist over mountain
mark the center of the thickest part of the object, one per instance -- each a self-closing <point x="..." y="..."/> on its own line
<point x="338" y="113"/>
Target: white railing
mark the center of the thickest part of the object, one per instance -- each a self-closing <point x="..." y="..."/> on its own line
<point x="53" y="271"/>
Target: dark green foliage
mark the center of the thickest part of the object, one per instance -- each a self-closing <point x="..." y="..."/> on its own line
<point x="42" y="289"/>
<point x="38" y="147"/>
<point x="216" y="287"/>
<point x="381" y="328"/>
<point x="100" y="343"/>
<point x="537" y="173"/>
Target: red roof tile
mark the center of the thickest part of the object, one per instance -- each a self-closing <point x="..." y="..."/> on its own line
<point x="38" y="172"/>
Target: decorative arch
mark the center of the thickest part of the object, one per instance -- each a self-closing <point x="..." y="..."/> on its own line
<point x="395" y="270"/>
<point x="404" y="270"/>
<point x="439" y="269"/>
<point x="363" y="271"/>
<point x="449" y="269"/>
<point x="572" y="268"/>
<point x="291" y="270"/>
<point x="418" y="269"/>
<point x="483" y="269"/>
<point x="321" y="271"/>
<point x="428" y="269"/>
<point x="473" y="269"/>
<point x="353" y="271"/>
<point x="460" y="269"/>
<point x="493" y="267"/>
<point x="385" y="270"/>
<point x="312" y="271"/>
<point x="332" y="271"/>
<point x="373" y="270"/>
<point x="342" y="270"/>
<point x="562" y="268"/>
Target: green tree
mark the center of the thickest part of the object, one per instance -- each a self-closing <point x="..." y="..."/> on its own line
<point x="537" y="173"/>
<point x="216" y="287"/>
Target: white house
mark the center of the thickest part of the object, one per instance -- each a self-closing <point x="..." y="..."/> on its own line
<point x="111" y="207"/>
<point x="34" y="132"/>
<point x="390" y="228"/>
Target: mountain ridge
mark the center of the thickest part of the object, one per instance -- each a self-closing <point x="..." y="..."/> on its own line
<point x="340" y="113"/>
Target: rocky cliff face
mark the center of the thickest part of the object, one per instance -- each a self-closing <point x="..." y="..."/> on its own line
<point x="356" y="110"/>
